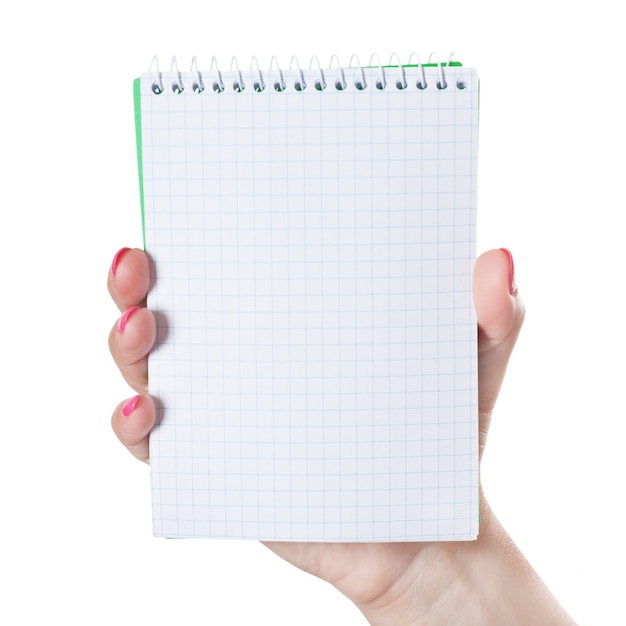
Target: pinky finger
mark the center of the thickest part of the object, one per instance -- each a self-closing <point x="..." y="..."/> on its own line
<point x="132" y="422"/>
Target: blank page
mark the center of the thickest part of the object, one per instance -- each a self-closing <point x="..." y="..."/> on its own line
<point x="312" y="254"/>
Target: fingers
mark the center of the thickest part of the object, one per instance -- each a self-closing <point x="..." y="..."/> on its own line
<point x="129" y="278"/>
<point x="133" y="336"/>
<point x="132" y="422"/>
<point x="130" y="341"/>
<point x="500" y="314"/>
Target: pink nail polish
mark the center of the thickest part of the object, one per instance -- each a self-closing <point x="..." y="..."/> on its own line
<point x="512" y="283"/>
<point x="130" y="405"/>
<point x="121" y="324"/>
<point x="116" y="259"/>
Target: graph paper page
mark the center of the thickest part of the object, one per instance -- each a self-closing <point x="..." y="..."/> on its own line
<point x="312" y="255"/>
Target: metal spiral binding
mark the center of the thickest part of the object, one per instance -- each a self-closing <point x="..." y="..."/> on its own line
<point x="300" y="83"/>
<point x="320" y="83"/>
<point x="198" y="84"/>
<point x="395" y="71"/>
<point x="279" y="84"/>
<point x="361" y="83"/>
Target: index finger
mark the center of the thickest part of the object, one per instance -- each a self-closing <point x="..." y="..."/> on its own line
<point x="129" y="278"/>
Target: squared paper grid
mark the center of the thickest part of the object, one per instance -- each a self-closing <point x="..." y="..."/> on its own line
<point x="316" y="361"/>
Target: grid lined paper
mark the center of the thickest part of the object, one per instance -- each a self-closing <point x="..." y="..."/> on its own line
<point x="312" y="254"/>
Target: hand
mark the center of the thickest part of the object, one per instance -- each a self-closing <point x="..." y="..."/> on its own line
<point x="391" y="583"/>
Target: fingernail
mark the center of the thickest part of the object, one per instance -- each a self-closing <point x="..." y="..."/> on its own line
<point x="121" y="324"/>
<point x="130" y="405"/>
<point x="116" y="259"/>
<point x="512" y="283"/>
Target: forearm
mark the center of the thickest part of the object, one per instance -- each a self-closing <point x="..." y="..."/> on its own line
<point x="482" y="583"/>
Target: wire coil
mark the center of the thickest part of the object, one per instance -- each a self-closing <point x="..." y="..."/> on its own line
<point x="393" y="75"/>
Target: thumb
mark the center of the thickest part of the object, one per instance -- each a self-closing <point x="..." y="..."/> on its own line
<point x="500" y="313"/>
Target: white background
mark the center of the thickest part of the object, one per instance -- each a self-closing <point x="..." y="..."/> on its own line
<point x="75" y="532"/>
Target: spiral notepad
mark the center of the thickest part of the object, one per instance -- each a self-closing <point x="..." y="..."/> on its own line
<point x="312" y="236"/>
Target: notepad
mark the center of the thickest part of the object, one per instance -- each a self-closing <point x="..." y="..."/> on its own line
<point x="312" y="239"/>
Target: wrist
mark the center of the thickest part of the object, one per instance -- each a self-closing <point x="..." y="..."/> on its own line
<point x="487" y="582"/>
<point x="436" y="589"/>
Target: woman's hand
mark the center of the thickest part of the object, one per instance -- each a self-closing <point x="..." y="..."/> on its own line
<point x="482" y="582"/>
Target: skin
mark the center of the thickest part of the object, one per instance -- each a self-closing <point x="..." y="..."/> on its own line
<point x="486" y="582"/>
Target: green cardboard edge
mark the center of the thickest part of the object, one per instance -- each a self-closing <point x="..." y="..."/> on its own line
<point x="451" y="64"/>
<point x="137" y="100"/>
